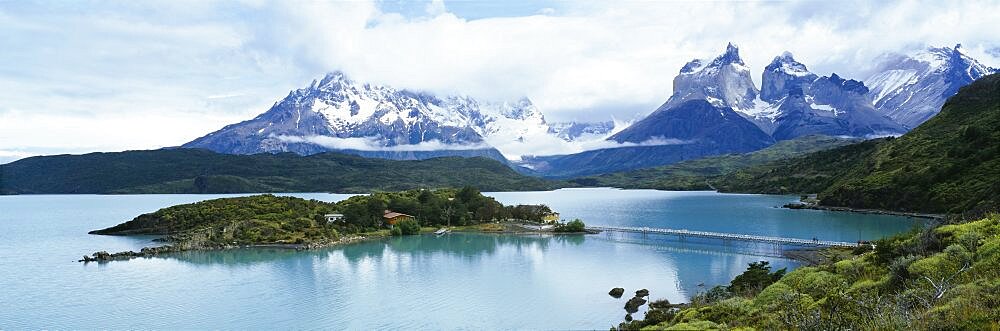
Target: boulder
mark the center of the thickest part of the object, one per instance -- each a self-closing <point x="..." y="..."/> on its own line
<point x="628" y="317"/>
<point x="633" y="304"/>
<point x="617" y="292"/>
<point x="642" y="293"/>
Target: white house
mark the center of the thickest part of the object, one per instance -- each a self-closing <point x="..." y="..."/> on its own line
<point x="330" y="218"/>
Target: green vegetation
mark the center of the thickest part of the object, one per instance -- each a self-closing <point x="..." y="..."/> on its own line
<point x="571" y="226"/>
<point x="406" y="228"/>
<point x="243" y="220"/>
<point x="949" y="164"/>
<point x="695" y="174"/>
<point x="942" y="278"/>
<point x="807" y="174"/>
<point x="269" y="219"/>
<point x="202" y="171"/>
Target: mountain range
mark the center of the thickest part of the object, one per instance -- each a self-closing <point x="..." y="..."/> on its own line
<point x="339" y="114"/>
<point x="715" y="108"/>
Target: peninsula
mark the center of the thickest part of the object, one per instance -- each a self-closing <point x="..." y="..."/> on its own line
<point x="282" y="221"/>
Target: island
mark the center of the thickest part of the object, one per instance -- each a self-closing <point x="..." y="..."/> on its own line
<point x="268" y="220"/>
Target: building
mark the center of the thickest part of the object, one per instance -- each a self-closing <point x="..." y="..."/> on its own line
<point x="550" y="218"/>
<point x="330" y="218"/>
<point x="391" y="218"/>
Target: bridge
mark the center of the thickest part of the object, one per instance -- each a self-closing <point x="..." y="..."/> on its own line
<point x="723" y="236"/>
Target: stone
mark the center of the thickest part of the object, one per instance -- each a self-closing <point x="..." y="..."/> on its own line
<point x="642" y="293"/>
<point x="633" y="304"/>
<point x="617" y="292"/>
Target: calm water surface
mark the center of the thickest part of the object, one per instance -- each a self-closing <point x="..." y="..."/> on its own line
<point x="459" y="281"/>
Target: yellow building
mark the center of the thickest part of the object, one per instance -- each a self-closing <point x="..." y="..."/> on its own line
<point x="550" y="218"/>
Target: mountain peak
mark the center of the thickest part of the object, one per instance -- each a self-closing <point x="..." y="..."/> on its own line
<point x="848" y="84"/>
<point x="731" y="56"/>
<point x="783" y="76"/>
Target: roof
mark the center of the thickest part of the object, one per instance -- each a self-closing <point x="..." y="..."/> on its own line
<point x="333" y="215"/>
<point x="392" y="214"/>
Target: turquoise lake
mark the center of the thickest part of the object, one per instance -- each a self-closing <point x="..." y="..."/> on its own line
<point x="457" y="281"/>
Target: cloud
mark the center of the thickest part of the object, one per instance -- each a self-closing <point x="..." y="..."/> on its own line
<point x="374" y="144"/>
<point x="549" y="145"/>
<point x="123" y="75"/>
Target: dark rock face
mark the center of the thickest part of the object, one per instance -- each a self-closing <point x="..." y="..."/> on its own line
<point x="104" y="256"/>
<point x="831" y="106"/>
<point x="642" y="293"/>
<point x="617" y="292"/>
<point x="782" y="76"/>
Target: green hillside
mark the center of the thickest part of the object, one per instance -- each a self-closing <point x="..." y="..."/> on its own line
<point x="694" y="174"/>
<point x="202" y="171"/>
<point x="941" y="278"/>
<point x="951" y="163"/>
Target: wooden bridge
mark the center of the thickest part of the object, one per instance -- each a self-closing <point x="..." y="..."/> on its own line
<point x="723" y="236"/>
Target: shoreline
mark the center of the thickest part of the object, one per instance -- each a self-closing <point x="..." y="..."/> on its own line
<point x="813" y="206"/>
<point x="104" y="256"/>
<point x="170" y="248"/>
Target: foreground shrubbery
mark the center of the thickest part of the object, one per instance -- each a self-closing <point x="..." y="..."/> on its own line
<point x="945" y="277"/>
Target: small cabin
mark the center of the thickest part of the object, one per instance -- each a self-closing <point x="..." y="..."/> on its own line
<point x="550" y="218"/>
<point x="332" y="218"/>
<point x="391" y="217"/>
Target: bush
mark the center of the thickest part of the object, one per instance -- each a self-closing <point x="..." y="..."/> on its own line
<point x="573" y="226"/>
<point x="408" y="227"/>
<point x="757" y="276"/>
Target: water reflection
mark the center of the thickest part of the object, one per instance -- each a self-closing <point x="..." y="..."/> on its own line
<point x="468" y="246"/>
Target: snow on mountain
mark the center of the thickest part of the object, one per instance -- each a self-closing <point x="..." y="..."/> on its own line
<point x="831" y="105"/>
<point x="573" y="131"/>
<point x="336" y="113"/>
<point x="790" y="96"/>
<point x="912" y="88"/>
<point x="724" y="81"/>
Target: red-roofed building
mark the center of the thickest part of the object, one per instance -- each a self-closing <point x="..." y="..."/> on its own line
<point x="391" y="217"/>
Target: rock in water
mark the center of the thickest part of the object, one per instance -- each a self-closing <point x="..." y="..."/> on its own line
<point x="617" y="292"/>
<point x="628" y="317"/>
<point x="633" y="304"/>
<point x="642" y="293"/>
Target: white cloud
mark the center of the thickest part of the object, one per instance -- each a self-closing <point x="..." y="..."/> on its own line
<point x="121" y="75"/>
<point x="374" y="144"/>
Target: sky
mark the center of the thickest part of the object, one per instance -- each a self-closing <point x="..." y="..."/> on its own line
<point x="87" y="76"/>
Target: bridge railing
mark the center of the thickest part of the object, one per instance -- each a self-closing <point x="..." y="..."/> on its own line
<point x="724" y="236"/>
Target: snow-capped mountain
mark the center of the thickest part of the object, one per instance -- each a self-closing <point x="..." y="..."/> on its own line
<point x="912" y="88"/>
<point x="833" y="106"/>
<point x="336" y="113"/>
<point x="573" y="131"/>
<point x="715" y="108"/>
<point x="792" y="101"/>
<point x="723" y="81"/>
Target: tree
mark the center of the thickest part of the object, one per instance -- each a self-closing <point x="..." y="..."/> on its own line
<point x="573" y="226"/>
<point x="757" y="276"/>
<point x="407" y="227"/>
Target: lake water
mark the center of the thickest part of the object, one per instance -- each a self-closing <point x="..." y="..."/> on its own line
<point x="459" y="281"/>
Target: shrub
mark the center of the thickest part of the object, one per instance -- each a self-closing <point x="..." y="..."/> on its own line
<point x="408" y="227"/>
<point x="573" y="226"/>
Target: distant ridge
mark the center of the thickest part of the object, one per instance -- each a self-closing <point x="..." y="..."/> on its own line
<point x="185" y="170"/>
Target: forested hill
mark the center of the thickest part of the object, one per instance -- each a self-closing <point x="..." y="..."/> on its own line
<point x="951" y="163"/>
<point x="695" y="174"/>
<point x="202" y="171"/>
